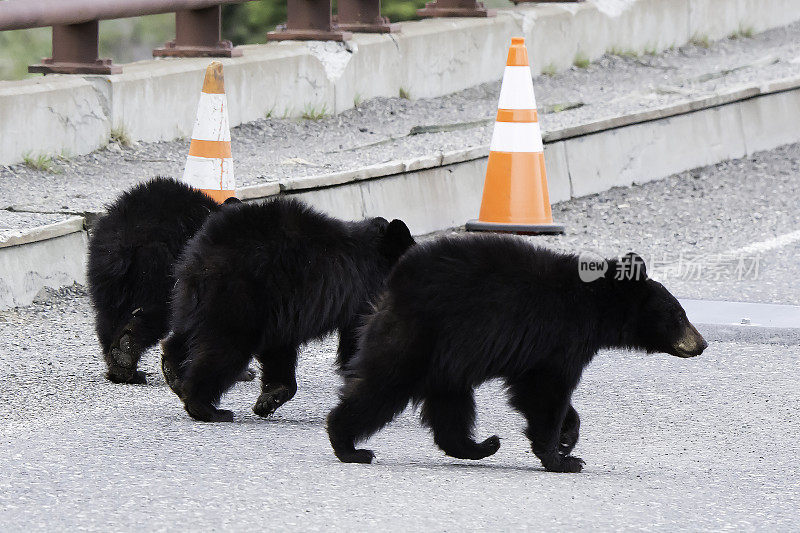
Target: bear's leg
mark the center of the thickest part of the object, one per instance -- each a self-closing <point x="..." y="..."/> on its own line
<point x="144" y="328"/>
<point x="570" y="431"/>
<point x="278" y="381"/>
<point x="212" y="369"/>
<point x="362" y="411"/>
<point x="451" y="416"/>
<point x="544" y="399"/>
<point x="348" y="344"/>
<point x="174" y="353"/>
<point x="108" y="333"/>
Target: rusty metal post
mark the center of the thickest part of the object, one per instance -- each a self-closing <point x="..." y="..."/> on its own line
<point x="547" y="1"/>
<point x="75" y="51"/>
<point x="363" y="16"/>
<point x="455" y="8"/>
<point x="308" y="20"/>
<point x="198" y="34"/>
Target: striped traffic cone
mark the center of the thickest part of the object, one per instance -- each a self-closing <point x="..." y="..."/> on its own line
<point x="209" y="166"/>
<point x="515" y="197"/>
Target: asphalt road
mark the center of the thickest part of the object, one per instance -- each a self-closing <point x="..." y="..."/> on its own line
<point x="703" y="444"/>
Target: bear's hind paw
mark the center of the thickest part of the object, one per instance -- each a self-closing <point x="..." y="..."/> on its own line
<point x="490" y="446"/>
<point x="356" y="456"/>
<point x="136" y="377"/>
<point x="209" y="414"/>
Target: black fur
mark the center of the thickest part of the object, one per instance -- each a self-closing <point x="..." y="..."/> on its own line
<point x="132" y="250"/>
<point x="262" y="280"/>
<point x="460" y="311"/>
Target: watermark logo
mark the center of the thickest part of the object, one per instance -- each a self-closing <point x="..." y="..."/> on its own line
<point x="591" y="266"/>
<point x="682" y="266"/>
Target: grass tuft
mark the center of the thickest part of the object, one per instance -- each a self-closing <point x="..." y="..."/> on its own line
<point x="40" y="162"/>
<point x="623" y="53"/>
<point x="701" y="40"/>
<point x="404" y="93"/>
<point x="742" y="33"/>
<point x="120" y="136"/>
<point x="549" y="70"/>
<point x="312" y="113"/>
<point x="581" y="61"/>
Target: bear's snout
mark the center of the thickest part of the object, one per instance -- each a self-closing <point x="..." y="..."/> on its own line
<point x="691" y="343"/>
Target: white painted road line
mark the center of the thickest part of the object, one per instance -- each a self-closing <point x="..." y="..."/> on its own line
<point x="764" y="246"/>
<point x="742" y="314"/>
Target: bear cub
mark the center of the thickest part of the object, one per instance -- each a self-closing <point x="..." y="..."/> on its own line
<point x="262" y="279"/>
<point x="459" y="311"/>
<point x="132" y="250"/>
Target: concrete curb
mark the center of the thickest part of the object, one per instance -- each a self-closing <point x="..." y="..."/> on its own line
<point x="581" y="160"/>
<point x="43" y="233"/>
<point x="76" y="115"/>
<point x="444" y="190"/>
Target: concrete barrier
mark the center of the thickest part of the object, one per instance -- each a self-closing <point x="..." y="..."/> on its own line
<point x="437" y="192"/>
<point x="440" y="191"/>
<point x="428" y="58"/>
<point x="48" y="256"/>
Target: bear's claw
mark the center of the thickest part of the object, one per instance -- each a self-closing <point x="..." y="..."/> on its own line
<point x="271" y="399"/>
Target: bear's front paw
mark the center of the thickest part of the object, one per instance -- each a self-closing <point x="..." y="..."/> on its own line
<point x="561" y="463"/>
<point x="273" y="397"/>
<point x="209" y="413"/>
<point x="356" y="456"/>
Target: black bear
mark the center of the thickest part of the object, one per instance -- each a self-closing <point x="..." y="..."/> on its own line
<point x="262" y="279"/>
<point x="132" y="251"/>
<point x="459" y="311"/>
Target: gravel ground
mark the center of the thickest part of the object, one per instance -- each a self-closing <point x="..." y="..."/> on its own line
<point x="700" y="445"/>
<point x="696" y="216"/>
<point x="277" y="148"/>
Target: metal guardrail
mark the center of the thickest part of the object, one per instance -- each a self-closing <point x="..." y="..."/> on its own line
<point x="76" y="29"/>
<point x="75" y="25"/>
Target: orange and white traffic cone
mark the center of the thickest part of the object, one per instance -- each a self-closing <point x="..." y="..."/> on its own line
<point x="515" y="197"/>
<point x="209" y="166"/>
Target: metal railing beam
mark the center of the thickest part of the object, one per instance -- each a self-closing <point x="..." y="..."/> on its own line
<point x="22" y="14"/>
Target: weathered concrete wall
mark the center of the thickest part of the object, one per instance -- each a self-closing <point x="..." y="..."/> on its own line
<point x="56" y="115"/>
<point x="54" y="262"/>
<point x="156" y="100"/>
<point x="444" y="190"/>
<point x="431" y="194"/>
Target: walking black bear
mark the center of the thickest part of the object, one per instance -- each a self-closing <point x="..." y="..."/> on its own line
<point x="132" y="251"/>
<point x="460" y="311"/>
<point x="262" y="279"/>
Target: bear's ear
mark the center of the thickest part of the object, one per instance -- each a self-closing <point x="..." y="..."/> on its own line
<point x="380" y="223"/>
<point x="231" y="200"/>
<point x="398" y="236"/>
<point x="629" y="267"/>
